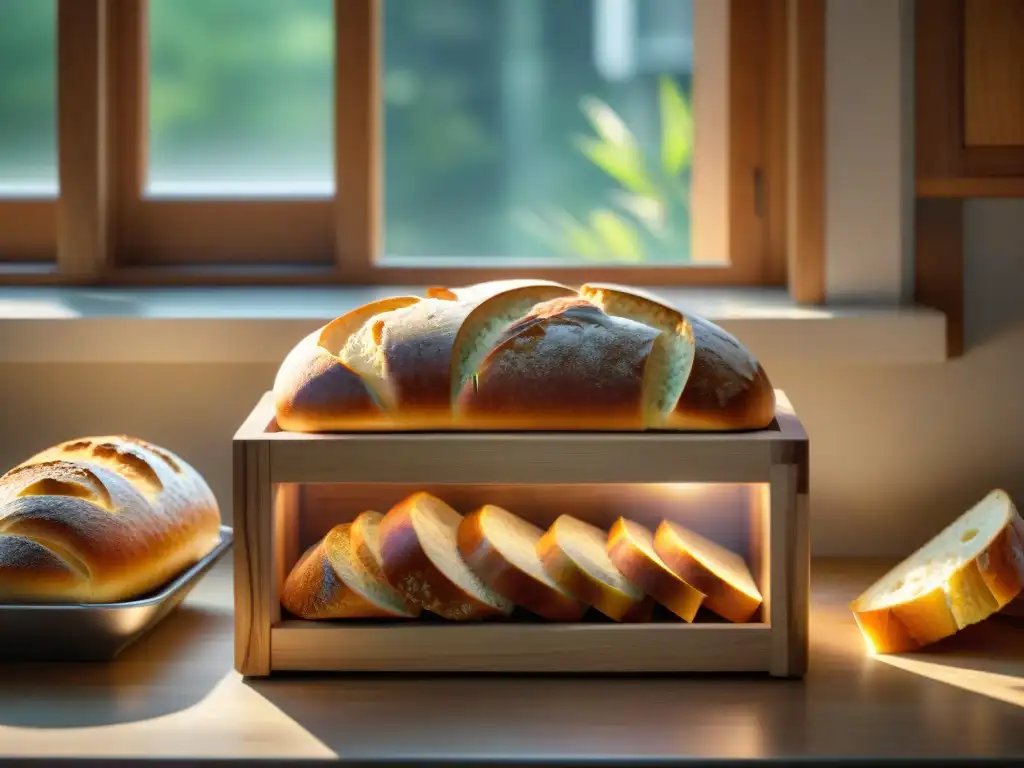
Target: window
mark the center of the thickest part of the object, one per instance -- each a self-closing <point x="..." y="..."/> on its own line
<point x="28" y="129"/>
<point x="394" y="141"/>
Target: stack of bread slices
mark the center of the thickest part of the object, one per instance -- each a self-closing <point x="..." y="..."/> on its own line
<point x="423" y="556"/>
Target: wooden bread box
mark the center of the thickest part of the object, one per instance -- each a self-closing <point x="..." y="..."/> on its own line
<point x="746" y="490"/>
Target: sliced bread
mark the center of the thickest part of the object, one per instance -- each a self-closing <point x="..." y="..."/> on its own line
<point x="970" y="570"/>
<point x="420" y="556"/>
<point x="631" y="549"/>
<point x="722" y="575"/>
<point x="331" y="582"/>
<point x="501" y="548"/>
<point x="574" y="554"/>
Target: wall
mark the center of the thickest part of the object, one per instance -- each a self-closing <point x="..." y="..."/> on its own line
<point x="896" y="451"/>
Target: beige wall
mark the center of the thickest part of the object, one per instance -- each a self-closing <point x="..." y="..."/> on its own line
<point x="896" y="451"/>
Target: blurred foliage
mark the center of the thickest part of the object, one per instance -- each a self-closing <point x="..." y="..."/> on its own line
<point x="648" y="216"/>
<point x="479" y="123"/>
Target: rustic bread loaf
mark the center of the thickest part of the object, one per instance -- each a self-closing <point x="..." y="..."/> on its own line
<point x="574" y="554"/>
<point x="101" y="519"/>
<point x="631" y="550"/>
<point x="501" y="548"/>
<point x="969" y="571"/>
<point x="420" y="557"/>
<point x="330" y="581"/>
<point x="722" y="576"/>
<point x="521" y="355"/>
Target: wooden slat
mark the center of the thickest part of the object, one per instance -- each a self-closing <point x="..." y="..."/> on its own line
<point x="748" y="53"/>
<point x="358" y="143"/>
<point x="806" y="151"/>
<point x="789" y="563"/>
<point x="256" y="603"/>
<point x="300" y="645"/>
<point x="939" y="264"/>
<point x="776" y="105"/>
<point x="971" y="187"/>
<point x="938" y="89"/>
<point x="28" y="230"/>
<point x="83" y="211"/>
<point x="994" y="72"/>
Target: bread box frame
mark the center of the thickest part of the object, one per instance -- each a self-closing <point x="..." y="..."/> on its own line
<point x="266" y="461"/>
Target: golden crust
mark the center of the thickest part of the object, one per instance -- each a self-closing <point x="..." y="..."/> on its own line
<point x="566" y="365"/>
<point x="631" y="549"/>
<point x="121" y="514"/>
<point x="485" y="550"/>
<point x="726" y="389"/>
<point x="330" y="582"/>
<point x="410" y="569"/>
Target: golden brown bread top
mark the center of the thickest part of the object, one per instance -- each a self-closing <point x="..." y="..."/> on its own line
<point x="101" y="519"/>
<point x="522" y="354"/>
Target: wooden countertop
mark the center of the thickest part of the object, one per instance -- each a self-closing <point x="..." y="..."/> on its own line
<point x="174" y="695"/>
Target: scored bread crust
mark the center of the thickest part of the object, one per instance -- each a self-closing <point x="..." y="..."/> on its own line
<point x="566" y="365"/>
<point x="574" y="554"/>
<point x="631" y="550"/>
<point x="314" y="391"/>
<point x="631" y="362"/>
<point x="989" y="578"/>
<point x="412" y="529"/>
<point x="726" y="388"/>
<point x="501" y="549"/>
<point x="331" y="582"/>
<point x="705" y="565"/>
<point x="101" y="519"/>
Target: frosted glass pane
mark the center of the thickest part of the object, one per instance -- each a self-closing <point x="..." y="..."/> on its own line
<point x="28" y="97"/>
<point x="531" y="129"/>
<point x="241" y="97"/>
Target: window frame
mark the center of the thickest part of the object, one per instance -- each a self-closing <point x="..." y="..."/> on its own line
<point x="101" y="230"/>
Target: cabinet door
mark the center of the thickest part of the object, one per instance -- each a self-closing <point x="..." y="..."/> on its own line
<point x="970" y="98"/>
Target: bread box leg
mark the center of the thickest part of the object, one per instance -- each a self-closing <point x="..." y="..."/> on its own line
<point x="254" y="586"/>
<point x="789" y="568"/>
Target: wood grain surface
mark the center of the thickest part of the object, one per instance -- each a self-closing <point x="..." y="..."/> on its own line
<point x="174" y="697"/>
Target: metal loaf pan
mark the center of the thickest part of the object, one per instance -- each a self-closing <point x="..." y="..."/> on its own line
<point x="96" y="632"/>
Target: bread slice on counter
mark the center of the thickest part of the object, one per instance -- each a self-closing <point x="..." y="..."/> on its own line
<point x="420" y="556"/>
<point x="331" y="582"/>
<point x="501" y="548"/>
<point x="574" y="554"/>
<point x="631" y="549"/>
<point x="970" y="570"/>
<point x="722" y="576"/>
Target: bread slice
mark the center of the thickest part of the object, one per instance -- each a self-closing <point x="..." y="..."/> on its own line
<point x="631" y="549"/>
<point x="420" y="556"/>
<point x="969" y="571"/>
<point x="574" y="554"/>
<point x="331" y="582"/>
<point x="722" y="576"/>
<point x="501" y="548"/>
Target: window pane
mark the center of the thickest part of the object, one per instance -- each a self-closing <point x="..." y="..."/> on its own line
<point x="241" y="97"/>
<point x="28" y="97"/>
<point x="526" y="129"/>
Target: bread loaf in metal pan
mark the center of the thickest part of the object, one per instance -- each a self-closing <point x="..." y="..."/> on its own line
<point x="101" y="520"/>
<point x="522" y="355"/>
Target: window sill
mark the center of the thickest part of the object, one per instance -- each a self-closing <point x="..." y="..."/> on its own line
<point x="260" y="325"/>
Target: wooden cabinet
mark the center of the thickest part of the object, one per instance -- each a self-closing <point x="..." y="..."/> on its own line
<point x="970" y="98"/>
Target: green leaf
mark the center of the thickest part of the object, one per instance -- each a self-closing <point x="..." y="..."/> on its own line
<point x="606" y="122"/>
<point x="648" y="210"/>
<point x="622" y="163"/>
<point x="676" y="127"/>
<point x="579" y="240"/>
<point x="620" y="239"/>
